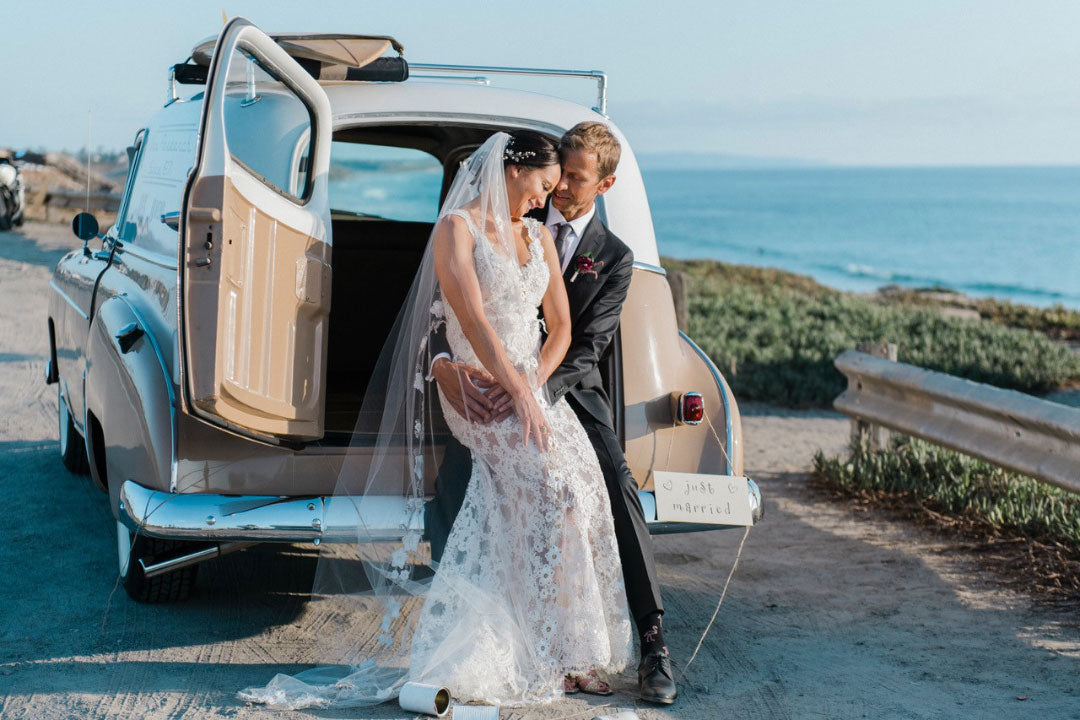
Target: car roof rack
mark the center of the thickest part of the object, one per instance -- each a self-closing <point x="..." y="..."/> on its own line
<point x="325" y="56"/>
<point x="330" y="56"/>
<point x="476" y="73"/>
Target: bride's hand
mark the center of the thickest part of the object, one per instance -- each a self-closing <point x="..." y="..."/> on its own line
<point x="533" y="422"/>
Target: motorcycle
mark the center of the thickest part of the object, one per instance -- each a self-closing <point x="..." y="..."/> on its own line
<point x="12" y="195"/>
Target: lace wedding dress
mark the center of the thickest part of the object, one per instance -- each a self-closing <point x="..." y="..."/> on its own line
<point x="530" y="587"/>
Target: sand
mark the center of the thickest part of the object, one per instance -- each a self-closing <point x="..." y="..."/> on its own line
<point x="832" y="613"/>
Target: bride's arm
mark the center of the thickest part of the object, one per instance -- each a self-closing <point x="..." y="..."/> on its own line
<point x="452" y="247"/>
<point x="556" y="314"/>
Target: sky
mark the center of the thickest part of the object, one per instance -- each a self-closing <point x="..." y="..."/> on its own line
<point x="862" y="82"/>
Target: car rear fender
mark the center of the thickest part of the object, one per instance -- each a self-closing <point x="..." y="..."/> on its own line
<point x="129" y="391"/>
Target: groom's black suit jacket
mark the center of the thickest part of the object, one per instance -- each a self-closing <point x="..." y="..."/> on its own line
<point x="595" y="305"/>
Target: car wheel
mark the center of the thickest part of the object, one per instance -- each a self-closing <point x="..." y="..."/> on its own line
<point x="172" y="586"/>
<point x="72" y="446"/>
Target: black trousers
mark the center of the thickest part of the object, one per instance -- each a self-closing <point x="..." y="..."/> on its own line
<point x="631" y="530"/>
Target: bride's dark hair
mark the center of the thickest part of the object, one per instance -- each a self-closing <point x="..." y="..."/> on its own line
<point x="529" y="149"/>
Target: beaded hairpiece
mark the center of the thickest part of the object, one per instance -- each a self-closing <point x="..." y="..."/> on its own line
<point x="517" y="157"/>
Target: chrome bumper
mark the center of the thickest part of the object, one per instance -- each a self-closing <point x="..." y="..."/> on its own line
<point x="262" y="518"/>
<point x="270" y="518"/>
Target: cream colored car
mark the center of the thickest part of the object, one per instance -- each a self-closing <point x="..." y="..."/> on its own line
<point x="211" y="356"/>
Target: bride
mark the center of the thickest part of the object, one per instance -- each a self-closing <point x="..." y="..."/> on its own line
<point x="528" y="600"/>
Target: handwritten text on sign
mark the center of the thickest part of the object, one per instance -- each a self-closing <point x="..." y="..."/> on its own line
<point x="694" y="498"/>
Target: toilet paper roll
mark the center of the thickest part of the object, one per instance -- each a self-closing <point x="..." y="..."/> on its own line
<point x="421" y="698"/>
<point x="476" y="712"/>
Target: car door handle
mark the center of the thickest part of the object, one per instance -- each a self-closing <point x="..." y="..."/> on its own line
<point x="172" y="219"/>
<point x="127" y="336"/>
<point x="199" y="214"/>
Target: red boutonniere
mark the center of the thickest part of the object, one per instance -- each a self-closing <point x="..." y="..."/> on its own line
<point x="584" y="264"/>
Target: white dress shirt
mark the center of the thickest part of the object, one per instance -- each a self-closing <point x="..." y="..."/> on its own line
<point x="554" y="218"/>
<point x="577" y="227"/>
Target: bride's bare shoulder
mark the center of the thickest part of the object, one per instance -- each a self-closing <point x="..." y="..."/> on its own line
<point x="452" y="230"/>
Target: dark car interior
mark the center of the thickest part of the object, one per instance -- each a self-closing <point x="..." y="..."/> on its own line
<point x="375" y="260"/>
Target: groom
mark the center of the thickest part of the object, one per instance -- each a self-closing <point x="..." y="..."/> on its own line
<point x="589" y="154"/>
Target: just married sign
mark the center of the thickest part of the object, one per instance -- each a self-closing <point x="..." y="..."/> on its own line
<point x="696" y="498"/>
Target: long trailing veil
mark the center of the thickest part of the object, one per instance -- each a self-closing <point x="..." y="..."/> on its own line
<point x="369" y="589"/>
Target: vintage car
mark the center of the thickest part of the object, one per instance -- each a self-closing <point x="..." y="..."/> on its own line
<point x="211" y="356"/>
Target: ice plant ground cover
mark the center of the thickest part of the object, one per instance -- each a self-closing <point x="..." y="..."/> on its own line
<point x="1027" y="526"/>
<point x="775" y="334"/>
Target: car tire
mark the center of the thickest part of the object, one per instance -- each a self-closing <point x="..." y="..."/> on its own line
<point x="72" y="446"/>
<point x="172" y="586"/>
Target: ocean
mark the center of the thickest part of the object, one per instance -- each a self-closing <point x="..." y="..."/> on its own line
<point x="1010" y="233"/>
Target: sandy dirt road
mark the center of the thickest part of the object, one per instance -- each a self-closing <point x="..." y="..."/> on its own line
<point x="831" y="614"/>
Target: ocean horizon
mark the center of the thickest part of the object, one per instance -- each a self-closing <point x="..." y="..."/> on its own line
<point x="1011" y="233"/>
<point x="1008" y="232"/>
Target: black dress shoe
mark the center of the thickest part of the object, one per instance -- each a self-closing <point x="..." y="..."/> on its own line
<point x="656" y="679"/>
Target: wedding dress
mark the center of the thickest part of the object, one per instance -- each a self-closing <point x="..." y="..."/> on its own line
<point x="530" y="585"/>
<point x="544" y="516"/>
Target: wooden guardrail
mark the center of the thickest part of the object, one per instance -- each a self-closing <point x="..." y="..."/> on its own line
<point x="1015" y="431"/>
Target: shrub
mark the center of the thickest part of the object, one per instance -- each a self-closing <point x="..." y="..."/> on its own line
<point x="781" y="333"/>
<point x="959" y="486"/>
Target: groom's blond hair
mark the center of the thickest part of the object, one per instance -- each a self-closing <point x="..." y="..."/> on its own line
<point x="592" y="136"/>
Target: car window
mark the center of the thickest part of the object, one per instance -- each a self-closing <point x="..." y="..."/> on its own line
<point x="267" y="126"/>
<point x="155" y="187"/>
<point x="389" y="182"/>
<point x="126" y="233"/>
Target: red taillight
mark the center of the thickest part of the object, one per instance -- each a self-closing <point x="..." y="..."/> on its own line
<point x="691" y="408"/>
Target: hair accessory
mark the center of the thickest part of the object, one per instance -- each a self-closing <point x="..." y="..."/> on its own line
<point x="516" y="157"/>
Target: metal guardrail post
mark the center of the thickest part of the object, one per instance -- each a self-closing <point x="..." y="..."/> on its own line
<point x="1006" y="428"/>
<point x="863" y="432"/>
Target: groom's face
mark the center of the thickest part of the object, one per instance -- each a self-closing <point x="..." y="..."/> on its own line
<point x="579" y="184"/>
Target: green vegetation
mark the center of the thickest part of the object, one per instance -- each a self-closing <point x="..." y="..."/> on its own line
<point x="987" y="498"/>
<point x="775" y="335"/>
<point x="1057" y="322"/>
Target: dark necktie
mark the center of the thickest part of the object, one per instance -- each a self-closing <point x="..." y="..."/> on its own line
<point x="562" y="241"/>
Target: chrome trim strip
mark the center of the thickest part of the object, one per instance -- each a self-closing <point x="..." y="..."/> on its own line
<point x="161" y="259"/>
<point x="175" y="434"/>
<point x="270" y="518"/>
<point x="54" y="286"/>
<point x="649" y="268"/>
<point x="598" y="75"/>
<point x="723" y="396"/>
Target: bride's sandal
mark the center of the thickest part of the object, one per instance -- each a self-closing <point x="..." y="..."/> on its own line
<point x="591" y="683"/>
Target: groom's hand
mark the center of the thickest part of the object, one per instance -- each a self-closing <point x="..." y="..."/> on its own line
<point x="502" y="405"/>
<point x="466" y="389"/>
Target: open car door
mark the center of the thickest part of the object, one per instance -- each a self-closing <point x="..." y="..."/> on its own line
<point x="255" y="244"/>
